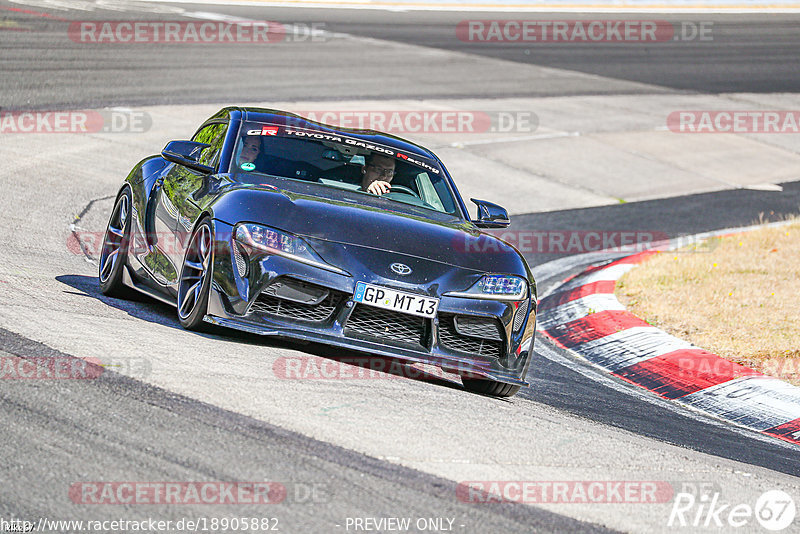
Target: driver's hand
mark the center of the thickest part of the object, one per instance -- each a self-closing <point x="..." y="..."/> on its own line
<point x="379" y="187"/>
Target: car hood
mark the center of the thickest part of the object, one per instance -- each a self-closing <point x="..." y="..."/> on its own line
<point x="343" y="223"/>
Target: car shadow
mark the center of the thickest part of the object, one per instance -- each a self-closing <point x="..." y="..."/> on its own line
<point x="346" y="361"/>
<point x="142" y="307"/>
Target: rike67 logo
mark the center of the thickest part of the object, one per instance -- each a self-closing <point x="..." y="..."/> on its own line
<point x="774" y="510"/>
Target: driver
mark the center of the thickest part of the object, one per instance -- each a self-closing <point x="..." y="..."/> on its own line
<point x="377" y="174"/>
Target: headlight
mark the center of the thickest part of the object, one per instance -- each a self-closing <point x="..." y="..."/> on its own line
<point x="495" y="287"/>
<point x="274" y="241"/>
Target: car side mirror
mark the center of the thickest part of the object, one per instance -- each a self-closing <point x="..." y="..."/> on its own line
<point x="490" y="215"/>
<point x="186" y="153"/>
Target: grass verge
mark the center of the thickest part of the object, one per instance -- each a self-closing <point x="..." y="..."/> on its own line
<point x="741" y="300"/>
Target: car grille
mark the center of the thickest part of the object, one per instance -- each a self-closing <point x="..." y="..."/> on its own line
<point x="480" y="336"/>
<point x="386" y="325"/>
<point x="276" y="306"/>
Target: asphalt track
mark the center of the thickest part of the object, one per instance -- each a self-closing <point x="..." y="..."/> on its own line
<point x="60" y="429"/>
<point x="121" y="428"/>
<point x="749" y="53"/>
<point x="565" y="389"/>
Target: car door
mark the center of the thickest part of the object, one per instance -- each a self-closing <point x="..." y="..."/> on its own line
<point x="182" y="185"/>
<point x="160" y="221"/>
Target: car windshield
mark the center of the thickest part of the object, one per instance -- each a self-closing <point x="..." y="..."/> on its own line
<point x="342" y="162"/>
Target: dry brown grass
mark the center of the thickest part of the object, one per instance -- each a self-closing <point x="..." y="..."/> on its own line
<point x="741" y="300"/>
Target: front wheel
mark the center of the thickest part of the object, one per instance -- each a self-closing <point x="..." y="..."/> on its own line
<point x="489" y="387"/>
<point x="195" y="279"/>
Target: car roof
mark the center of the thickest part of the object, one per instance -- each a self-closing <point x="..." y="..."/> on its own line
<point x="276" y="116"/>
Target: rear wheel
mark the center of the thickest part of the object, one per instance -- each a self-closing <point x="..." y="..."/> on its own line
<point x="114" y="253"/>
<point x="195" y="279"/>
<point x="489" y="387"/>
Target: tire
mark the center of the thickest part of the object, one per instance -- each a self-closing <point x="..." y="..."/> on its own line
<point x="114" y="254"/>
<point x="195" y="279"/>
<point x="489" y="387"/>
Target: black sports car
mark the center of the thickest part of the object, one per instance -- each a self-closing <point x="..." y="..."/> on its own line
<point x="277" y="225"/>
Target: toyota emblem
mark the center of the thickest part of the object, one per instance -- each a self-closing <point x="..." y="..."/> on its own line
<point x="400" y="268"/>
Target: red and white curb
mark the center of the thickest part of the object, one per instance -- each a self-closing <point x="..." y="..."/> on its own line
<point x="584" y="316"/>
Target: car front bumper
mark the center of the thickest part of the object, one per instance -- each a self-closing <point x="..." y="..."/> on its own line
<point x="232" y="297"/>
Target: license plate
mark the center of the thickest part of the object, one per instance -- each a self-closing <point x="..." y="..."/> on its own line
<point x="390" y="299"/>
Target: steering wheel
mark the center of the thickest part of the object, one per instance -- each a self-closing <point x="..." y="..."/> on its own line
<point x="402" y="189"/>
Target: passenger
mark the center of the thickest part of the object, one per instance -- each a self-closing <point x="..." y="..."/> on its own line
<point x="251" y="150"/>
<point x="255" y="156"/>
<point x="377" y="172"/>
